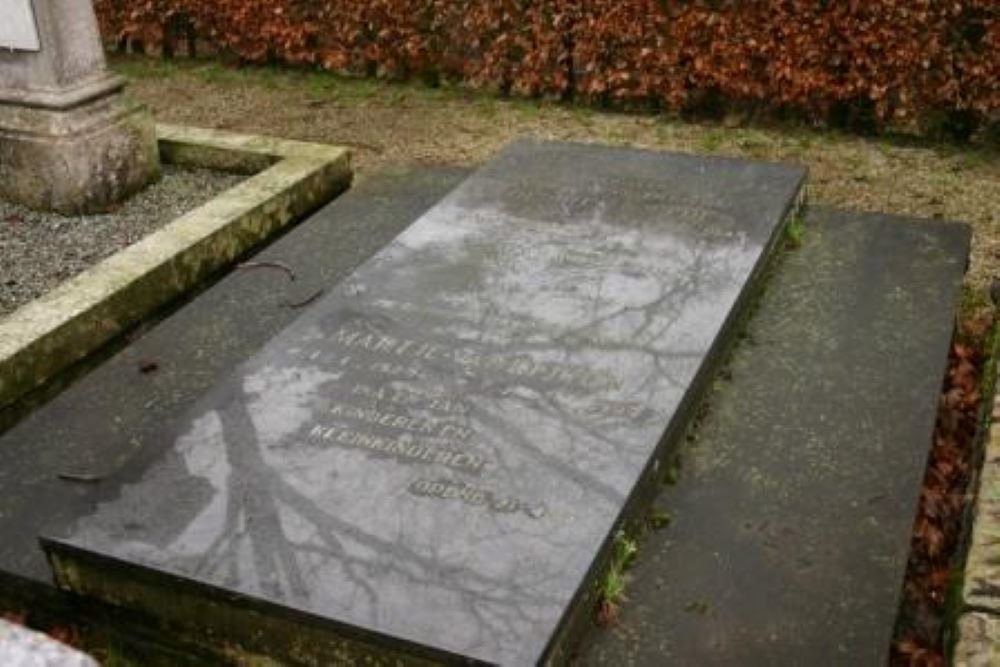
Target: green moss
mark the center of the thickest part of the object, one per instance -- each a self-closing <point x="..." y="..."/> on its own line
<point x="953" y="607"/>
<point x="698" y="607"/>
<point x="713" y="140"/>
<point x="974" y="301"/>
<point x="660" y="518"/>
<point x="795" y="230"/>
<point x="672" y="474"/>
<point x="139" y="69"/>
<point x="191" y="626"/>
<point x="988" y="380"/>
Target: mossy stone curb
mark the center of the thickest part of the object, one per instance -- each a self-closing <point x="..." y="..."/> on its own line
<point x="979" y="643"/>
<point x="84" y="313"/>
<point x="978" y="629"/>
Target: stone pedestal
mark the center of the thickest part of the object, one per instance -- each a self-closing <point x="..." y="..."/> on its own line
<point x="70" y="140"/>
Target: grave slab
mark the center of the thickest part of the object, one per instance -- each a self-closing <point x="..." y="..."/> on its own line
<point x="432" y="459"/>
<point x="59" y="460"/>
<point x="794" y="503"/>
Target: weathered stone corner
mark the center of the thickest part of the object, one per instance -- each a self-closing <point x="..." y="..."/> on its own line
<point x="978" y="642"/>
<point x="83" y="159"/>
<point x="70" y="141"/>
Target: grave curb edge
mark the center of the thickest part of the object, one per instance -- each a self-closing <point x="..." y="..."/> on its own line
<point x="287" y="180"/>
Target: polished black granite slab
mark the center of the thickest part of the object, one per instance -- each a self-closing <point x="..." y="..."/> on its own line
<point x="436" y="453"/>
<point x="57" y="462"/>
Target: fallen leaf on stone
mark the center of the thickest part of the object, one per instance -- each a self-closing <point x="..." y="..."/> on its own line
<point x="147" y="366"/>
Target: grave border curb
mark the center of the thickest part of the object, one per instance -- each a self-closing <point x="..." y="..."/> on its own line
<point x="288" y="179"/>
<point x="977" y="623"/>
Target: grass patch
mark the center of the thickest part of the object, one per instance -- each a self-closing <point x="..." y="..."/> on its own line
<point x="611" y="587"/>
<point x="989" y="381"/>
<point x="143" y="69"/>
<point x="713" y="139"/>
<point x="795" y="231"/>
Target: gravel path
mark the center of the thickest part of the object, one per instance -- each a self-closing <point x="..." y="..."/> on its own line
<point x="40" y="250"/>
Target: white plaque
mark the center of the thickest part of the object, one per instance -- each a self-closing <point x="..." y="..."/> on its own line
<point x="17" y="26"/>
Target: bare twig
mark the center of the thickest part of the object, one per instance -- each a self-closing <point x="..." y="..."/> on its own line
<point x="269" y="265"/>
<point x="309" y="299"/>
<point x="85" y="478"/>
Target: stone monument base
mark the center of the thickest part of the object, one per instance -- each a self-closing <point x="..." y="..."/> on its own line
<point x="79" y="159"/>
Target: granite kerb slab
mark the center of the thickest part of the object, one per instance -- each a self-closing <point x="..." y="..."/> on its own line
<point x="977" y="629"/>
<point x="436" y="456"/>
<point x="793" y="504"/>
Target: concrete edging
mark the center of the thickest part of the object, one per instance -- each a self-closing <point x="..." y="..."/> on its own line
<point x="978" y="626"/>
<point x="64" y="326"/>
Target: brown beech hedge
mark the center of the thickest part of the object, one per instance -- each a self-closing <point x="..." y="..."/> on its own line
<point x="893" y="62"/>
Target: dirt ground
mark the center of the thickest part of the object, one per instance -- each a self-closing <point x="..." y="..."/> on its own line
<point x="389" y="123"/>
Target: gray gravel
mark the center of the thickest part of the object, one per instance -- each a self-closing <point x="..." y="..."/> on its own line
<point x="40" y="250"/>
<point x="21" y="647"/>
